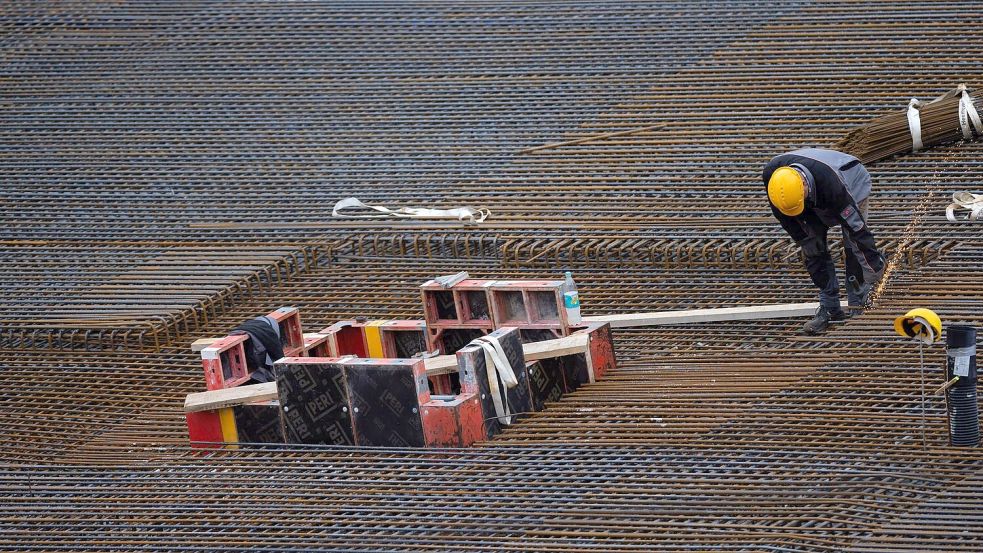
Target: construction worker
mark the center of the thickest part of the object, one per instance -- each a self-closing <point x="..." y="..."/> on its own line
<point x="811" y="190"/>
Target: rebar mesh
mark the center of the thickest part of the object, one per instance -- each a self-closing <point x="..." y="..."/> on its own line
<point x="137" y="132"/>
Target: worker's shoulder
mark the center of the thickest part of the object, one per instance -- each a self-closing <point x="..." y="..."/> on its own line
<point x="815" y="159"/>
<point x="834" y="158"/>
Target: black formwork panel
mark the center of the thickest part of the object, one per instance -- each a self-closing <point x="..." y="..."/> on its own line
<point x="546" y="382"/>
<point x="385" y="403"/>
<point x="472" y="360"/>
<point x="315" y="404"/>
<point x="259" y="423"/>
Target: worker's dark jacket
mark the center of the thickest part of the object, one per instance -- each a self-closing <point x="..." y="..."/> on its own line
<point x="838" y="184"/>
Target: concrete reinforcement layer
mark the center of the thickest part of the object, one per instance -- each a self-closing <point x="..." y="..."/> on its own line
<point x="168" y="170"/>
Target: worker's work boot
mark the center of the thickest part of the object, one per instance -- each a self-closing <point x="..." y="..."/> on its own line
<point x="821" y="321"/>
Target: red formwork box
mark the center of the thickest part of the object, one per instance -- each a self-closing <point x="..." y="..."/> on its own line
<point x="373" y="402"/>
<point x="224" y="361"/>
<point x="456" y="420"/>
<point x="257" y="422"/>
<point x="291" y="335"/>
<point x="316" y="345"/>
<point x="346" y="338"/>
<point x="599" y="359"/>
<point x="453" y="421"/>
<point x="456" y="315"/>
<point x="465" y="304"/>
<point x="402" y="339"/>
<point x="204" y="429"/>
<point x="474" y="374"/>
<point x="529" y="304"/>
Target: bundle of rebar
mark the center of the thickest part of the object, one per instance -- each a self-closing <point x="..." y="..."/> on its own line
<point x="944" y="120"/>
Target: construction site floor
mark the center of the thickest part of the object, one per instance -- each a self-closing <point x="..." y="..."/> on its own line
<point x="168" y="170"/>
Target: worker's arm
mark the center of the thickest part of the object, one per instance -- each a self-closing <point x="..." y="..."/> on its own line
<point x="836" y="196"/>
<point x="791" y="226"/>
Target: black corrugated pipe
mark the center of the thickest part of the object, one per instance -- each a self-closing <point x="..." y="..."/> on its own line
<point x="964" y="412"/>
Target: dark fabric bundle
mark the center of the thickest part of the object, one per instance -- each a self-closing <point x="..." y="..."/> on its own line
<point x="262" y="348"/>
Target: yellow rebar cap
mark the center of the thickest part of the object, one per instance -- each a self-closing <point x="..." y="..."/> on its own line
<point x="919" y="324"/>
<point x="787" y="191"/>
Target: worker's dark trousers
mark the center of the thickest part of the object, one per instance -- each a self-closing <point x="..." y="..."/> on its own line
<point x="823" y="271"/>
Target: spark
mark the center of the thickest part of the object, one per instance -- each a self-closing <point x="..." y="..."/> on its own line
<point x="909" y="234"/>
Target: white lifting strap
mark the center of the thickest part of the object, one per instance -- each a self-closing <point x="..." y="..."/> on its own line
<point x="499" y="369"/>
<point x="968" y="114"/>
<point x="464" y="214"/>
<point x="915" y="124"/>
<point x="973" y="203"/>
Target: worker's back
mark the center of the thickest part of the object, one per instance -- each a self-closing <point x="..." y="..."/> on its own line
<point x="820" y="162"/>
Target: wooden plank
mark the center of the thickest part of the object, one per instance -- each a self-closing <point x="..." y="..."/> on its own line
<point x="442" y="364"/>
<point x="628" y="320"/>
<point x="748" y="313"/>
<point x="229" y="397"/>
<point x="568" y="345"/>
<point x="202" y="343"/>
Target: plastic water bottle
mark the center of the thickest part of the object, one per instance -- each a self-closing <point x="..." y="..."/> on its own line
<point x="571" y="299"/>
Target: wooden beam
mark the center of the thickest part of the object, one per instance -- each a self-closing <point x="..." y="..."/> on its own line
<point x="442" y="364"/>
<point x="748" y="313"/>
<point x="568" y="345"/>
<point x="202" y="343"/>
<point x="228" y="397"/>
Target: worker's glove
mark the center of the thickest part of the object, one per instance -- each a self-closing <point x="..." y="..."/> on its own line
<point x="813" y="246"/>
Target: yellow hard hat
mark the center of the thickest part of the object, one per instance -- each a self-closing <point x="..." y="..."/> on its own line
<point x="787" y="191"/>
<point x="919" y="324"/>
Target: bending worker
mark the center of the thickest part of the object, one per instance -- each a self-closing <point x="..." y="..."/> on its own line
<point x="811" y="190"/>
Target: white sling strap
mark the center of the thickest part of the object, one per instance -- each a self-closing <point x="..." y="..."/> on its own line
<point x="915" y="124"/>
<point x="969" y="118"/>
<point x="498" y="368"/>
<point x="464" y="214"/>
<point x="973" y="203"/>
